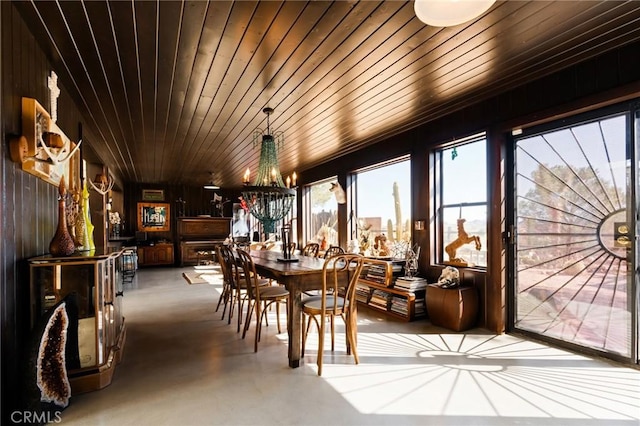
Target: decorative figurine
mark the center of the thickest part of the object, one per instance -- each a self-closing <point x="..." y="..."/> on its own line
<point x="450" y="277"/>
<point x="463" y="238"/>
<point x="411" y="261"/>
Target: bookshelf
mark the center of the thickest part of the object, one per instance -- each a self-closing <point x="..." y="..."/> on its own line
<point x="378" y="289"/>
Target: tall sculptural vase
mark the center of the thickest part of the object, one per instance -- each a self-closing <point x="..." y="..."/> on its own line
<point x="62" y="243"/>
<point x="88" y="243"/>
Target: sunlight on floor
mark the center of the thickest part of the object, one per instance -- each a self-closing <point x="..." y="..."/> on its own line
<point x="184" y="365"/>
<point x="477" y="375"/>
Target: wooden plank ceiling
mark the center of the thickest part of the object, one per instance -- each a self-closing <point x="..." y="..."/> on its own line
<point x="173" y="90"/>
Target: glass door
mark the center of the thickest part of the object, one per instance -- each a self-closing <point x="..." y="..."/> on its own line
<point x="574" y="221"/>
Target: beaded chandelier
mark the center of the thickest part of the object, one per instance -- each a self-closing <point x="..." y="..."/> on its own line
<point x="268" y="199"/>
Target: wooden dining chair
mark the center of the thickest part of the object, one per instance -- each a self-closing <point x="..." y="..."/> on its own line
<point x="332" y="251"/>
<point x="340" y="274"/>
<point x="259" y="297"/>
<point x="237" y="287"/>
<point x="225" y="259"/>
<point x="311" y="250"/>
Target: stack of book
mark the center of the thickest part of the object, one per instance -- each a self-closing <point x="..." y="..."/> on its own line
<point x="362" y="293"/>
<point x="375" y="273"/>
<point x="400" y="306"/>
<point x="397" y="266"/>
<point x="419" y="306"/>
<point x="379" y="299"/>
<point x="411" y="283"/>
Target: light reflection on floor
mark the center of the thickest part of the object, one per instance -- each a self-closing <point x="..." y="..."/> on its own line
<point x="183" y="365"/>
<point x="480" y="375"/>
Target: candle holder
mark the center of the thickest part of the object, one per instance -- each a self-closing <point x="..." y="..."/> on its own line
<point x="286" y="245"/>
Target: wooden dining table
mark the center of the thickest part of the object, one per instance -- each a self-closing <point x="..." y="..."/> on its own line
<point x="302" y="275"/>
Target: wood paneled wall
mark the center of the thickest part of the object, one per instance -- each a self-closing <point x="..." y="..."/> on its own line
<point x="28" y="203"/>
<point x="28" y="206"/>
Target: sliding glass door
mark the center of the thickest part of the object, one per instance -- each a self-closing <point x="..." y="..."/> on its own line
<point x="574" y="234"/>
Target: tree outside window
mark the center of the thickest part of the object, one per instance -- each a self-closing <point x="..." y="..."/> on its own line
<point x="381" y="220"/>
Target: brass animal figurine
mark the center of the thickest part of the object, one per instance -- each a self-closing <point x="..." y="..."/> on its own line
<point x="463" y="238"/>
<point x="380" y="245"/>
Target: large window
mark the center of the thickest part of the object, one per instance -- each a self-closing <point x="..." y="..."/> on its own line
<point x="320" y="213"/>
<point x="380" y="224"/>
<point x="460" y="200"/>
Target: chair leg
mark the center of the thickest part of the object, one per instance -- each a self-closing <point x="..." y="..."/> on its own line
<point x="333" y="333"/>
<point x="251" y="306"/>
<point x="320" y="344"/>
<point x="305" y="330"/>
<point x="224" y="309"/>
<point x="240" y="305"/>
<point x="258" y="325"/>
<point x="265" y="309"/>
<point x="232" y="304"/>
<point x="226" y="294"/>
<point x="266" y="319"/>
<point x="222" y="295"/>
<point x="352" y="336"/>
<point x="304" y="336"/>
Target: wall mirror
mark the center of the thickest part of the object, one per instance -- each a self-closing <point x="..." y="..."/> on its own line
<point x="153" y="217"/>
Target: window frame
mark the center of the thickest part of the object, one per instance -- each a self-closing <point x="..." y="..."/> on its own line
<point x="352" y="183"/>
<point x="439" y="207"/>
<point x="306" y="209"/>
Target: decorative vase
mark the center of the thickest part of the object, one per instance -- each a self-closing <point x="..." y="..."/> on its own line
<point x="62" y="244"/>
<point x="80" y="227"/>
<point x="87" y="232"/>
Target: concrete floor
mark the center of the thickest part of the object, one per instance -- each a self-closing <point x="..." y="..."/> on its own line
<point x="182" y="365"/>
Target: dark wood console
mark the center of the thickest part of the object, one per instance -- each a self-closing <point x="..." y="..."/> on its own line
<point x="157" y="254"/>
<point x="200" y="234"/>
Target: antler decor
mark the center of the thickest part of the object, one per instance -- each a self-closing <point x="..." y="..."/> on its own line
<point x="57" y="148"/>
<point x="41" y="136"/>
<point x="103" y="182"/>
<point x="43" y="149"/>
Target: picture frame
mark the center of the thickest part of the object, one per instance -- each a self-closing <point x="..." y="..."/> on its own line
<point x="152" y="195"/>
<point x="154" y="217"/>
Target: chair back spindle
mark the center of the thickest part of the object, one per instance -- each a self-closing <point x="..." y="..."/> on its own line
<point x="311" y="250"/>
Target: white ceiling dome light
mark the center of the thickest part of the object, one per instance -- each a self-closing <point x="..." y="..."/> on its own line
<point x="447" y="13"/>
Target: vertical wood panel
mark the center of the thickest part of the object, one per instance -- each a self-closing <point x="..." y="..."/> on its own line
<point x="28" y="206"/>
<point x="8" y="251"/>
<point x="6" y="254"/>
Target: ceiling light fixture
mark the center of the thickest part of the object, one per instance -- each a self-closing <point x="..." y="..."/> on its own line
<point x="447" y="13"/>
<point x="211" y="184"/>
<point x="268" y="199"/>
